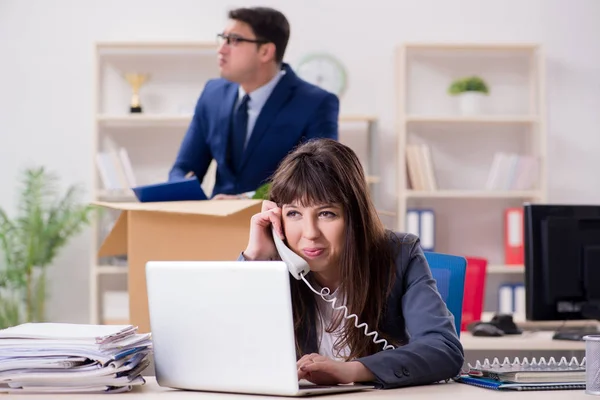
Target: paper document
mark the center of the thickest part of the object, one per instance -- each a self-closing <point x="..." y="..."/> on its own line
<point x="71" y="358"/>
<point x="58" y="331"/>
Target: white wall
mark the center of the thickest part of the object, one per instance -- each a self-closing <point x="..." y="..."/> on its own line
<point x="46" y="72"/>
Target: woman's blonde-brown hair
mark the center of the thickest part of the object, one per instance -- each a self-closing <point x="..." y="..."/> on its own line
<point x="325" y="171"/>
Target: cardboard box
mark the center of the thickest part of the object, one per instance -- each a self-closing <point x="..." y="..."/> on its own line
<point x="172" y="231"/>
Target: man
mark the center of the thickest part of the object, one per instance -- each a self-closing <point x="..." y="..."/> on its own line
<point x="257" y="112"/>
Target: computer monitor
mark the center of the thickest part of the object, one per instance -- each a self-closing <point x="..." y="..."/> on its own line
<point x="562" y="262"/>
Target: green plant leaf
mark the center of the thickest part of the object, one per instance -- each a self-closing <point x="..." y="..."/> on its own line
<point x="468" y="84"/>
<point x="10" y="311"/>
<point x="40" y="296"/>
<point x="44" y="223"/>
<point x="7" y="238"/>
<point x="262" y="193"/>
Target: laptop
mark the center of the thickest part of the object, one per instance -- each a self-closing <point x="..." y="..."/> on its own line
<point x="226" y="326"/>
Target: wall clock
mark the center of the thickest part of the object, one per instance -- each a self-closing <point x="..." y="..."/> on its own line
<point x="325" y="71"/>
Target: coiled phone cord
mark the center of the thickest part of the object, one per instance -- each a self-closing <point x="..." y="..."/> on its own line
<point x="325" y="292"/>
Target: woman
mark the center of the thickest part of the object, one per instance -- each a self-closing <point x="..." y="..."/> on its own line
<point x="320" y="205"/>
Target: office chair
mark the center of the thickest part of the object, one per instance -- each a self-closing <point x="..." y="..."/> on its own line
<point x="449" y="271"/>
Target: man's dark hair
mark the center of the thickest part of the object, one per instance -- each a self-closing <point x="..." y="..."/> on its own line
<point x="267" y="24"/>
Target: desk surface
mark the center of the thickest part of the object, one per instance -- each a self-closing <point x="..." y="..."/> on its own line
<point x="441" y="391"/>
<point x="529" y="341"/>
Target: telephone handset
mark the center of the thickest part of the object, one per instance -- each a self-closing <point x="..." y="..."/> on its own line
<point x="298" y="267"/>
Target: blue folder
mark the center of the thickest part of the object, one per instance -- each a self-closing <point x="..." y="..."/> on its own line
<point x="493" y="384"/>
<point x="182" y="190"/>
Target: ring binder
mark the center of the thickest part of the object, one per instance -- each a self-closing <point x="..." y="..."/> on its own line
<point x="538" y="374"/>
<point x="525" y="365"/>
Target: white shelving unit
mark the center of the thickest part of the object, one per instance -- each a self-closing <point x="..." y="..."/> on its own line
<point x="111" y="269"/>
<point x="489" y="119"/>
<point x="366" y="123"/>
<point x="178" y="72"/>
<point x="472" y="194"/>
<point x="505" y="269"/>
<point x="470" y="218"/>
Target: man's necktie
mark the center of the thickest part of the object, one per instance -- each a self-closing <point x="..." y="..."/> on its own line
<point x="239" y="132"/>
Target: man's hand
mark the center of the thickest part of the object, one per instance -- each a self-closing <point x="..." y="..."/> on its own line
<point x="321" y="370"/>
<point x="222" y="196"/>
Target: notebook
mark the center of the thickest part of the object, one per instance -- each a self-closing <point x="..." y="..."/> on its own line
<point x="536" y="371"/>
<point x="493" y="384"/>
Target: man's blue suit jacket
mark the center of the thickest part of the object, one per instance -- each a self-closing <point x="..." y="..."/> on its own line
<point x="296" y="111"/>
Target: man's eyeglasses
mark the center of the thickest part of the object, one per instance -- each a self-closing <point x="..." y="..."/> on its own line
<point x="235" y="39"/>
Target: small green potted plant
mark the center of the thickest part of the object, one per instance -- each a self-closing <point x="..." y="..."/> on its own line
<point x="470" y="91"/>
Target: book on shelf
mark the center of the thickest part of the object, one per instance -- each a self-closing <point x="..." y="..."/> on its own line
<point x="115" y="170"/>
<point x="511" y="171"/>
<point x="421" y="222"/>
<point x="514" y="249"/>
<point x="419" y="163"/>
<point x="511" y="299"/>
<point x="525" y="375"/>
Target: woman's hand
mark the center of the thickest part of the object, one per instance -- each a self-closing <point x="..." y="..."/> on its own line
<point x="260" y="243"/>
<point x="321" y="370"/>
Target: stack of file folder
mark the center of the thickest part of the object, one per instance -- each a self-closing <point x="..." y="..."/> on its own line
<point x="72" y="358"/>
<point x="524" y="375"/>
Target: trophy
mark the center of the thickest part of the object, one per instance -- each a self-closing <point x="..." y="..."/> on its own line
<point x="136" y="80"/>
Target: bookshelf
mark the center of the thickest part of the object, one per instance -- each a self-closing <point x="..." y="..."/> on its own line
<point x="471" y="194"/>
<point x="505" y="269"/>
<point x="149" y="140"/>
<point x="449" y="161"/>
<point x="488" y="119"/>
<point x="177" y="73"/>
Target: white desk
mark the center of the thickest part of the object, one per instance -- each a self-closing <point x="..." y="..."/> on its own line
<point x="528" y="341"/>
<point x="546" y="325"/>
<point x="450" y="391"/>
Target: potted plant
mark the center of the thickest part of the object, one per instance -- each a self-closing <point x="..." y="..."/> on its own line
<point x="29" y="242"/>
<point x="470" y="91"/>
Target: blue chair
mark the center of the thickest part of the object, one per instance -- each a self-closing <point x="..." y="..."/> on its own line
<point x="449" y="271"/>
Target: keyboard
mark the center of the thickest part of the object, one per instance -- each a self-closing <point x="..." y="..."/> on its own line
<point x="575" y="334"/>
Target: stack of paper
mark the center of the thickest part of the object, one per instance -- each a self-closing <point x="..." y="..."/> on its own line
<point x="69" y="358"/>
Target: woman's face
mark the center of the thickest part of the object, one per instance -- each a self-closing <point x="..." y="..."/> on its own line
<point x="315" y="233"/>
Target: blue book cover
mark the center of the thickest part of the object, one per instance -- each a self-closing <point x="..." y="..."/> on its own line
<point x="489" y="383"/>
<point x="182" y="190"/>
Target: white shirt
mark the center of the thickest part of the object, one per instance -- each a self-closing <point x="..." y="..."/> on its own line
<point x="325" y="314"/>
<point x="257" y="100"/>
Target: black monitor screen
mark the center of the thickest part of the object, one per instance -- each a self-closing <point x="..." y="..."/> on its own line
<point x="562" y="261"/>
